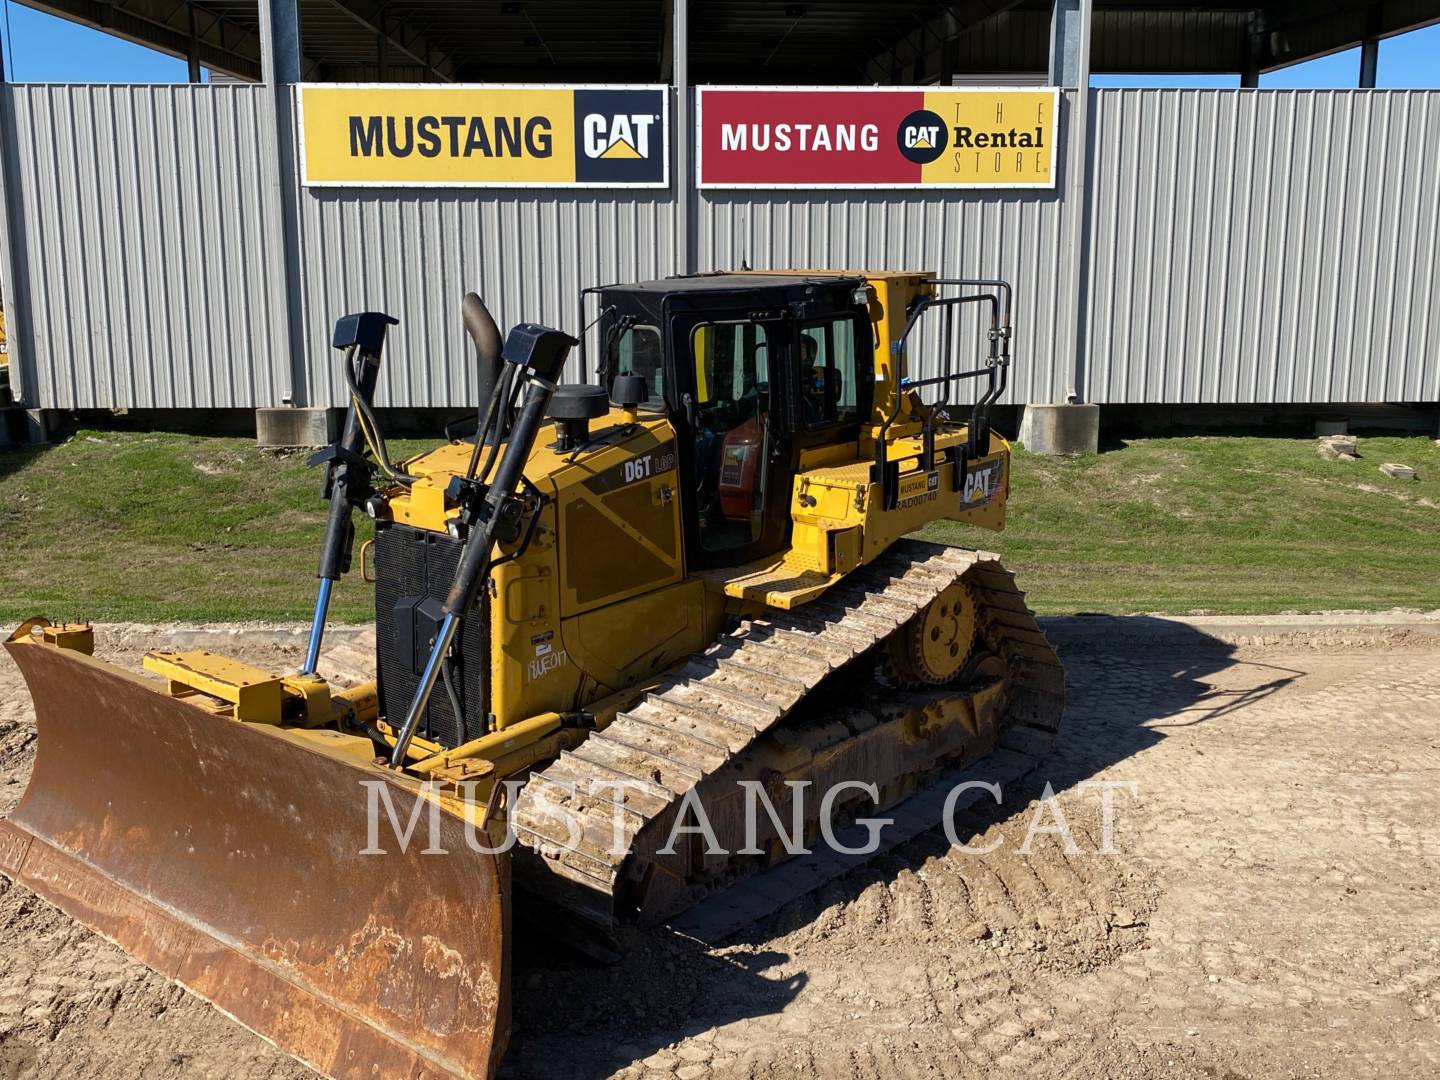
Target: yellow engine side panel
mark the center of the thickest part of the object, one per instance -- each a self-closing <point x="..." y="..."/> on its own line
<point x="599" y="599"/>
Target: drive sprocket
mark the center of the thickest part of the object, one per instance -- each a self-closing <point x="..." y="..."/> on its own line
<point x="932" y="648"/>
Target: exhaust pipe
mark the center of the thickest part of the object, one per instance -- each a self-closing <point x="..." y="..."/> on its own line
<point x="486" y="336"/>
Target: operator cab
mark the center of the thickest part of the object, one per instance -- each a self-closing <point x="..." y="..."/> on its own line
<point x="751" y="370"/>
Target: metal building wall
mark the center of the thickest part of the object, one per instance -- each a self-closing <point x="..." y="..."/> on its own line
<point x="1264" y="246"/>
<point x="145" y="227"/>
<point x="415" y="253"/>
<point x="1251" y="246"/>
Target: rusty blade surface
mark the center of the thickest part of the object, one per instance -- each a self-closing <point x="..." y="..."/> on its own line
<point x="227" y="857"/>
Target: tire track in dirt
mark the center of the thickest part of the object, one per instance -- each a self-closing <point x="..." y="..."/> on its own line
<point x="1000" y="919"/>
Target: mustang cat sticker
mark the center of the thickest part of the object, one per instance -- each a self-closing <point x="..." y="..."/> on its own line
<point x="915" y="490"/>
<point x="982" y="484"/>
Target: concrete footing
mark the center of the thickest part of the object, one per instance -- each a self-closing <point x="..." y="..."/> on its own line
<point x="283" y="426"/>
<point x="1061" y="429"/>
<point x="30" y="427"/>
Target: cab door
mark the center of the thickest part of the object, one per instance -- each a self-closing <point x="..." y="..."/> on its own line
<point x="734" y="436"/>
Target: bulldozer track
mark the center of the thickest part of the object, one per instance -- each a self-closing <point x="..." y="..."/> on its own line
<point x="623" y="786"/>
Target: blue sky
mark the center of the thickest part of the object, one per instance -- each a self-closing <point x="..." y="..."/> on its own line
<point x="43" y="48"/>
<point x="1406" y="61"/>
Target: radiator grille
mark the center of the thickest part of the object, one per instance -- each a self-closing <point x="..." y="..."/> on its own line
<point x="414" y="570"/>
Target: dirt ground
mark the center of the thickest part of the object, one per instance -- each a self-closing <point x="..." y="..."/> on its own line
<point x="1272" y="910"/>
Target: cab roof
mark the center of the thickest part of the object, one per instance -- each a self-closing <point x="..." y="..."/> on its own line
<point x="744" y="279"/>
<point x="752" y="278"/>
<point x="651" y="301"/>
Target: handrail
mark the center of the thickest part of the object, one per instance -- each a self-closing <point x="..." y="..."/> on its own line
<point x="996" y="369"/>
<point x="585" y="327"/>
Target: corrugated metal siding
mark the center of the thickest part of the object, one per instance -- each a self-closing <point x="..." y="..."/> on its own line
<point x="1008" y="41"/>
<point x="414" y="254"/>
<point x="1189" y="41"/>
<point x="148" y="246"/>
<point x="1271" y="246"/>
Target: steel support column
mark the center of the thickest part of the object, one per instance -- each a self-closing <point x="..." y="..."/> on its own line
<point x="192" y="52"/>
<point x="1070" y="44"/>
<point x="1370" y="48"/>
<point x="1064" y="43"/>
<point x="280" y="42"/>
<point x="683" y="134"/>
<point x="1369" y="63"/>
<point x="280" y="64"/>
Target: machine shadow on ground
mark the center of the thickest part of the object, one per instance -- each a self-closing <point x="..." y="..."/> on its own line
<point x="1129" y="681"/>
<point x="15" y="458"/>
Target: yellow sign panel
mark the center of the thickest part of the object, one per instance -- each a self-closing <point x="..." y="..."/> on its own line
<point x="483" y="136"/>
<point x="994" y="139"/>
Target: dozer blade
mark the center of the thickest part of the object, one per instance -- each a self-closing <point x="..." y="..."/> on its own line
<point x="226" y="856"/>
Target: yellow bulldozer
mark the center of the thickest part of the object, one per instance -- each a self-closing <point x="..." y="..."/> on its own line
<point x="612" y="622"/>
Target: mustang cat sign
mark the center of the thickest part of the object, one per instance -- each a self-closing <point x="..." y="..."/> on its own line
<point x="877" y="137"/>
<point x="430" y="135"/>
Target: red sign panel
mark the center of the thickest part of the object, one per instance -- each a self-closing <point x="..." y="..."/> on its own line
<point x="754" y="137"/>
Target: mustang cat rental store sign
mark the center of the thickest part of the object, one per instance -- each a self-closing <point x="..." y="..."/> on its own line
<point x="391" y="135"/>
<point x="894" y="137"/>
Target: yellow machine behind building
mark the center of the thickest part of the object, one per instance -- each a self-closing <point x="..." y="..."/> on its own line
<point x="639" y="600"/>
<point x="5" y="391"/>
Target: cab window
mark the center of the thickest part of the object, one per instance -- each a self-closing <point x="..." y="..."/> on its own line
<point x="732" y="432"/>
<point x="828" y="390"/>
<point x="636" y="351"/>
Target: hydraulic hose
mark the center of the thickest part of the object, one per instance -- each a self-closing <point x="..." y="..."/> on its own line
<point x="370" y="429"/>
<point x="494" y="419"/>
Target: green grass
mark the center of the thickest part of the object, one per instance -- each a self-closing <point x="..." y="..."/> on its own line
<point x="121" y="526"/>
<point x="1223" y="525"/>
